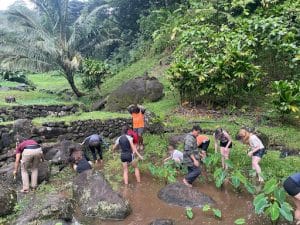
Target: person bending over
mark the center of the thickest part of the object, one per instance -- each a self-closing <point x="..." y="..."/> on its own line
<point x="175" y="155"/>
<point x="292" y="187"/>
<point x="221" y="136"/>
<point x="30" y="154"/>
<point x="138" y="122"/>
<point x="203" y="143"/>
<point x="128" y="152"/>
<point x="94" y="143"/>
<point x="191" y="156"/>
<point x="257" y="150"/>
<point x="79" y="162"/>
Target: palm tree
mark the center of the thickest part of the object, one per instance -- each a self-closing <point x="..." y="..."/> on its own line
<point x="44" y="38"/>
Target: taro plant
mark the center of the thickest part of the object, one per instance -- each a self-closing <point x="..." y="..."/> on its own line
<point x="240" y="221"/>
<point x="167" y="172"/>
<point x="189" y="213"/>
<point x="217" y="212"/>
<point x="272" y="202"/>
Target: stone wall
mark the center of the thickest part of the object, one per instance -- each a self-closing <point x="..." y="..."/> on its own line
<point x="33" y="111"/>
<point x="78" y="130"/>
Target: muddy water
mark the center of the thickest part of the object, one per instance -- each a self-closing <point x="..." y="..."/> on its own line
<point x="146" y="206"/>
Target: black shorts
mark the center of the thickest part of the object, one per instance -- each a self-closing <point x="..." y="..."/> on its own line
<point x="204" y="145"/>
<point x="291" y="187"/>
<point x="127" y="157"/>
<point x="224" y="144"/>
<point x="260" y="153"/>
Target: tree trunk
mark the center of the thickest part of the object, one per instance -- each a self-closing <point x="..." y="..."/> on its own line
<point x="70" y="78"/>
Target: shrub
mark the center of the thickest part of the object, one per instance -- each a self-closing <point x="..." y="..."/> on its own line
<point x="14" y="76"/>
<point x="94" y="72"/>
<point x="286" y="96"/>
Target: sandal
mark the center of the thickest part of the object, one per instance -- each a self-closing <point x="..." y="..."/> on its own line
<point x="24" y="191"/>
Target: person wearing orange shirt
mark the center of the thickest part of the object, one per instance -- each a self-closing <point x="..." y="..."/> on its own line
<point x="203" y="143"/>
<point x="138" y="122"/>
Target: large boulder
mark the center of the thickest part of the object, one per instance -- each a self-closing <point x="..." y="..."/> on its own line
<point x="96" y="198"/>
<point x="58" y="153"/>
<point x="181" y="195"/>
<point x="23" y="127"/>
<point x="163" y="222"/>
<point x="135" y="91"/>
<point x="6" y="174"/>
<point x="50" y="206"/>
<point x="8" y="199"/>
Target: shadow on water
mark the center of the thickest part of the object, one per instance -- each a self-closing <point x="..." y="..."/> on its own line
<point x="146" y="206"/>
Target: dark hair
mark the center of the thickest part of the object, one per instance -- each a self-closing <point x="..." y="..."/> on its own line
<point x="172" y="145"/>
<point x="218" y="132"/>
<point x="124" y="129"/>
<point x="197" y="128"/>
<point x="136" y="109"/>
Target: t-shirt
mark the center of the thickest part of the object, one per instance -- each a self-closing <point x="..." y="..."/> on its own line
<point x="296" y="178"/>
<point x="93" y="138"/>
<point x="124" y="142"/>
<point x="134" y="135"/>
<point x="255" y="142"/>
<point x="177" y="155"/>
<point x="24" y="144"/>
<point x="138" y="120"/>
<point x="190" y="148"/>
<point x="201" y="139"/>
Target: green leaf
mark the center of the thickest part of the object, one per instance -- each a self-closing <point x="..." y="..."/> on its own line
<point x="250" y="188"/>
<point x="260" y="203"/>
<point x="240" y="221"/>
<point x="235" y="181"/>
<point x="270" y="186"/>
<point x="274" y="211"/>
<point x="206" y="208"/>
<point x="217" y="212"/>
<point x="280" y="195"/>
<point x="286" y="211"/>
<point x="189" y="213"/>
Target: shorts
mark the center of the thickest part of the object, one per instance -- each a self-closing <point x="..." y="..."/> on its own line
<point x="139" y="131"/>
<point x="127" y="158"/>
<point x="224" y="144"/>
<point x="291" y="187"/>
<point x="204" y="145"/>
<point x="260" y="153"/>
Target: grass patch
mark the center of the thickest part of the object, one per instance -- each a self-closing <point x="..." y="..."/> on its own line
<point x="8" y="84"/>
<point x="52" y="81"/>
<point x="96" y="115"/>
<point x="136" y="69"/>
<point x="30" y="98"/>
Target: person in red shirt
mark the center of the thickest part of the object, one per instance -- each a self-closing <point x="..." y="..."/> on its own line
<point x="30" y="154"/>
<point x="134" y="135"/>
<point x="138" y="122"/>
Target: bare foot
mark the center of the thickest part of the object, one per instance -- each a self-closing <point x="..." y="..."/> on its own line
<point x="187" y="183"/>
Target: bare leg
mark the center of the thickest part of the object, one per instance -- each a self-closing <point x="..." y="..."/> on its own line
<point x="125" y="173"/>
<point x="297" y="210"/>
<point x="256" y="167"/>
<point x="225" y="156"/>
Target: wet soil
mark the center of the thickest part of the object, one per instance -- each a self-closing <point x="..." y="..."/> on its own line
<point x="146" y="206"/>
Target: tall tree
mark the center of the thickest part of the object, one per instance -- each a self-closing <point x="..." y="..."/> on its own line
<point x="52" y="36"/>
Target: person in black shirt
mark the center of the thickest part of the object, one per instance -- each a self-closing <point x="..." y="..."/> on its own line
<point x="128" y="152"/>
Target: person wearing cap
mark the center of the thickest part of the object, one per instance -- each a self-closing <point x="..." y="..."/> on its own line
<point x="30" y="154"/>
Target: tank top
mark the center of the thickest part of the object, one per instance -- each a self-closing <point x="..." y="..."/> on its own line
<point x="125" y="144"/>
<point x="138" y="120"/>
